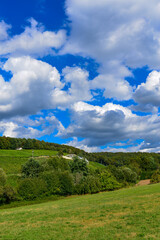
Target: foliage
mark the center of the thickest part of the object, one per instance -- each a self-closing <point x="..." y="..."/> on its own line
<point x="7" y="194"/>
<point x="3" y="177"/>
<point x="155" y="178"/>
<point x="52" y="182"/>
<point x="108" y="181"/>
<point x="88" y="184"/>
<point x="55" y="163"/>
<point x="31" y="168"/>
<point x="32" y="188"/>
<point x="66" y="183"/>
<point x="79" y="165"/>
<point x="126" y="174"/>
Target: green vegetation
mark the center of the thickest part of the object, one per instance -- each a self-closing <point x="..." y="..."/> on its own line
<point x="36" y="174"/>
<point x="124" y="214"/>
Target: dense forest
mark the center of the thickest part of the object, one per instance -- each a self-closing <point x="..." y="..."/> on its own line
<point x="40" y="178"/>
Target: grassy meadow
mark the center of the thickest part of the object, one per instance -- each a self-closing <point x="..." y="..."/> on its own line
<point x="11" y="160"/>
<point x="132" y="213"/>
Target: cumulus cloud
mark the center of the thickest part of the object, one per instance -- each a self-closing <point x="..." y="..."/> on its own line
<point x="148" y="94"/>
<point x="119" y="35"/>
<point x="4" y="27"/>
<point x="36" y="85"/>
<point x="34" y="41"/>
<point x="78" y="87"/>
<point x="83" y="146"/>
<point x="25" y="127"/>
<point x="127" y="31"/>
<point x="113" y="88"/>
<point x="112" y="123"/>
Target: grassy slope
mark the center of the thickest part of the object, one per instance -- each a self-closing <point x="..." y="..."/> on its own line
<point x="124" y="214"/>
<point x="11" y="160"/>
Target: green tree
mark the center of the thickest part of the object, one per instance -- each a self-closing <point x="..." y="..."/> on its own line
<point x="31" y="168"/>
<point x="108" y="181"/>
<point x="3" y="177"/>
<point x="155" y="178"/>
<point x="79" y="165"/>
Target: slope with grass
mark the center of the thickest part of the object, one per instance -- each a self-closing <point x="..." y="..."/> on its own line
<point x="132" y="213"/>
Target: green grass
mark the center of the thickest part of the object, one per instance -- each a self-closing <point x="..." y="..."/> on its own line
<point x="132" y="213"/>
<point x="95" y="165"/>
<point x="12" y="160"/>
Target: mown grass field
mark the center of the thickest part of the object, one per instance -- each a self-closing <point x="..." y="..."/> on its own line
<point x="132" y="213"/>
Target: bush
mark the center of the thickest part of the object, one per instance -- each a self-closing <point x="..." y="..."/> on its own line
<point x="88" y="184"/>
<point x="55" y="163"/>
<point x="155" y="178"/>
<point x="31" y="168"/>
<point x="7" y="194"/>
<point x="66" y="183"/>
<point x="52" y="182"/>
<point x="79" y="165"/>
<point x="125" y="174"/>
<point x="108" y="181"/>
<point x="3" y="177"/>
<point x="32" y="188"/>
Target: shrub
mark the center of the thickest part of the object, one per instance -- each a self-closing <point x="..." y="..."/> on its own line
<point x="155" y="178"/>
<point x="108" y="181"/>
<point x="126" y="174"/>
<point x="31" y="168"/>
<point x="79" y="165"/>
<point x="7" y="194"/>
<point x="66" y="183"/>
<point x="32" y="188"/>
<point x="3" y="177"/>
<point x="55" y="163"/>
<point x="52" y="182"/>
<point x="88" y="184"/>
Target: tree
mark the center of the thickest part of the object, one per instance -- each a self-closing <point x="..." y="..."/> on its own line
<point x="155" y="178"/>
<point x="79" y="165"/>
<point x="31" y="168"/>
<point x="108" y="181"/>
<point x="3" y="177"/>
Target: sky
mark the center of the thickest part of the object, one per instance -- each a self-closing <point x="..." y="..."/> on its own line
<point x="84" y="73"/>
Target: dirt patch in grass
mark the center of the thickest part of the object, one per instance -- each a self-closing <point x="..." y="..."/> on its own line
<point x="144" y="182"/>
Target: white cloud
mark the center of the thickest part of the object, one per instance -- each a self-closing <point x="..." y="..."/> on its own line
<point x="78" y="89"/>
<point x="148" y="93"/>
<point x="81" y="145"/>
<point x="118" y="34"/>
<point x="4" y="30"/>
<point x="111" y="123"/>
<point x="24" y="127"/>
<point x="34" y="41"/>
<point x="36" y="85"/>
<point x="113" y="88"/>
<point x="126" y="31"/>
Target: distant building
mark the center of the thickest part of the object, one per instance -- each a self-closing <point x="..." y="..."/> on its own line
<point x="19" y="148"/>
<point x="71" y="156"/>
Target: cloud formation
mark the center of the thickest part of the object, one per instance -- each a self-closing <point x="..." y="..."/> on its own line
<point x="27" y="128"/>
<point x="36" y="85"/>
<point x="112" y="123"/>
<point x="34" y="41"/>
<point x="148" y="93"/>
<point x="120" y="35"/>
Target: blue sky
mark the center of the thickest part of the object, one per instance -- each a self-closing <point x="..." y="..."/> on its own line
<point x="81" y="72"/>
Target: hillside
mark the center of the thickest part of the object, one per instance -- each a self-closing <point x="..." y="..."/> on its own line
<point x="36" y="174"/>
<point x="132" y="213"/>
